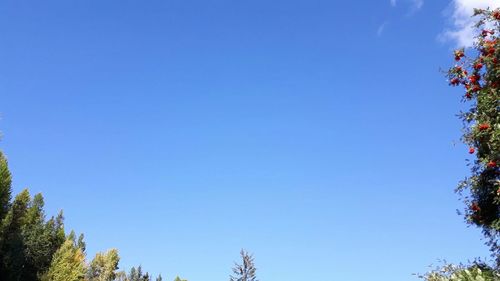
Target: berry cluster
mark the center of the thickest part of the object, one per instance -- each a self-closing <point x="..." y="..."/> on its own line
<point x="479" y="74"/>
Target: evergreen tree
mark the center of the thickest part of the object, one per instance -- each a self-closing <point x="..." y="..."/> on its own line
<point x="68" y="263"/>
<point x="5" y="186"/>
<point x="33" y="248"/>
<point x="27" y="241"/>
<point x="138" y="275"/>
<point x="12" y="247"/>
<point x="246" y="270"/>
<point x="81" y="243"/>
<point x="41" y="240"/>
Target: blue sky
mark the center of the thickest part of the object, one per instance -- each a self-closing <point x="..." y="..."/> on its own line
<point x="319" y="135"/>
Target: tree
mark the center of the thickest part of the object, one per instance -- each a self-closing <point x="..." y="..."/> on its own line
<point x="104" y="265"/>
<point x="479" y="73"/>
<point x="5" y="186"/>
<point x="33" y="248"/>
<point x="246" y="270"/>
<point x="27" y="241"/>
<point x="68" y="263"/>
<point x="176" y="279"/>
<point x="476" y="272"/>
<point x="41" y="239"/>
<point x="138" y="275"/>
<point x="12" y="247"/>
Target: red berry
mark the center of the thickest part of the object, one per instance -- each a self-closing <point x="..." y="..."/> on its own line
<point x="496" y="15"/>
<point x="475" y="207"/>
<point x="459" y="54"/>
<point x="454" y="81"/>
<point x="478" y="66"/>
<point x="492" y="164"/>
<point x="474" y="78"/>
<point x="472" y="150"/>
<point x="484" y="126"/>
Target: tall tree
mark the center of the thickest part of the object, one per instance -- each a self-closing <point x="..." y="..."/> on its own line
<point x="41" y="239"/>
<point x="104" y="265"/>
<point x="478" y="72"/>
<point x="28" y="242"/>
<point x="12" y="246"/>
<point x="68" y="263"/>
<point x="5" y="186"/>
<point x="138" y="275"/>
<point x="246" y="270"/>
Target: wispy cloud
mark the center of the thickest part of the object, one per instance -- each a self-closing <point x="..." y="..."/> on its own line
<point x="460" y="13"/>
<point x="416" y="5"/>
<point x="393" y="3"/>
<point x="381" y="28"/>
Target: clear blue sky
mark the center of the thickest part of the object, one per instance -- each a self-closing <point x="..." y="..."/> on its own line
<point x="317" y="134"/>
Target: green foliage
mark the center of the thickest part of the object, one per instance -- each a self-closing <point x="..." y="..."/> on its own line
<point x="479" y="73"/>
<point x="135" y="274"/>
<point x="28" y="242"/>
<point x="13" y="247"/>
<point x="33" y="248"/>
<point x="68" y="264"/>
<point x="246" y="270"/>
<point x="449" y="272"/>
<point x="5" y="186"/>
<point x="178" y="279"/>
<point x="138" y="275"/>
<point x="104" y="265"/>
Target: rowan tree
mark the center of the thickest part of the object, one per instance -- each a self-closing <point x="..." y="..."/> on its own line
<point x="477" y="70"/>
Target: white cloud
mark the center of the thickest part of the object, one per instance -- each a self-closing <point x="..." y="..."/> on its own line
<point x="417" y="4"/>
<point x="381" y="29"/>
<point x="393" y="3"/>
<point x="460" y="13"/>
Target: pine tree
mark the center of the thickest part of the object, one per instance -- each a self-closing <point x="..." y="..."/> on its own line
<point x="27" y="242"/>
<point x="137" y="275"/>
<point x="12" y="245"/>
<point x="246" y="270"/>
<point x="40" y="240"/>
<point x="5" y="186"/>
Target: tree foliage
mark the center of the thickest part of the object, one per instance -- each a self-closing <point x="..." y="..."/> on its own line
<point x="104" y="265"/>
<point x="27" y="240"/>
<point x="5" y="186"/>
<point x="68" y="263"/>
<point x="478" y="72"/>
<point x="246" y="270"/>
<point x="449" y="272"/>
<point x="33" y="248"/>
